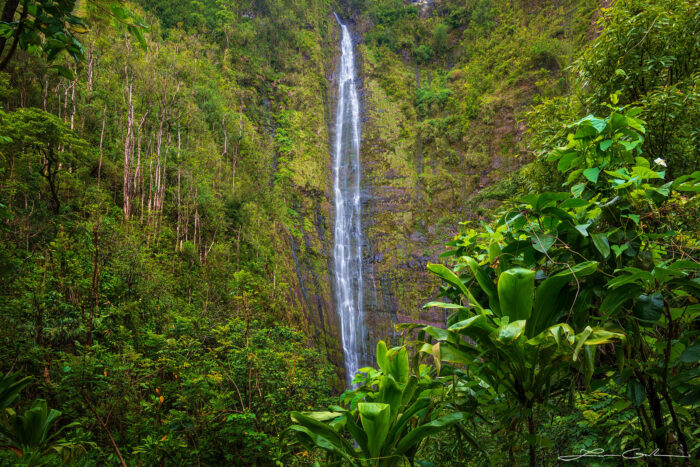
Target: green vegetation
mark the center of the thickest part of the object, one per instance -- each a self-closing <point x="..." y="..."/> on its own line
<point x="148" y="284"/>
<point x="165" y="258"/>
<point x="391" y="412"/>
<point x="574" y="311"/>
<point x="446" y="89"/>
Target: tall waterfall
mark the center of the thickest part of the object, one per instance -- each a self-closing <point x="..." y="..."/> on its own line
<point x="347" y="251"/>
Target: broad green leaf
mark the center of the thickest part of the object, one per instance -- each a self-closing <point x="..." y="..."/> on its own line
<point x="580" y="340"/>
<point x="576" y="190"/>
<point x="549" y="199"/>
<point x="604" y="336"/>
<point x="648" y="308"/>
<point x="453" y="354"/>
<point x="409" y="390"/>
<point x="416" y="435"/>
<point x="437" y="333"/>
<point x="592" y="174"/>
<point x="601" y="243"/>
<point x="574" y="203"/>
<point x="558" y="213"/>
<point x="566" y="161"/>
<point x="618" y="174"/>
<point x="561" y="335"/>
<point x="636" y="392"/>
<point x="642" y="162"/>
<point x="515" y="293"/>
<point x="455" y="306"/>
<point x="486" y="284"/>
<point x="691" y="354"/>
<point x="450" y="277"/>
<point x="581" y="228"/>
<point x="558" y="153"/>
<point x="323" y="434"/>
<point x="509" y="333"/>
<point x="398" y="427"/>
<point x="390" y="393"/>
<point x="376" y="422"/>
<point x="605" y="144"/>
<point x="381" y="357"/>
<point x="478" y="323"/>
<point x="494" y="251"/>
<point x="323" y="416"/>
<point x="357" y="433"/>
<point x="64" y="71"/>
<point x="598" y="123"/>
<point x="615" y="298"/>
<point x="543" y="242"/>
<point x="586" y="131"/>
<point x="644" y="173"/>
<point x="323" y="442"/>
<point x="545" y="310"/>
<point x="630" y="275"/>
<point x="573" y="176"/>
<point x="619" y="249"/>
<point x="10" y="386"/>
<point x="398" y="364"/>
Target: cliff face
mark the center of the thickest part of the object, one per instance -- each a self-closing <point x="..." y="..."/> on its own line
<point x="444" y="86"/>
<point x="303" y="146"/>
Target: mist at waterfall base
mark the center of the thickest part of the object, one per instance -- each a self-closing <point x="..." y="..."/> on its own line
<point x="347" y="249"/>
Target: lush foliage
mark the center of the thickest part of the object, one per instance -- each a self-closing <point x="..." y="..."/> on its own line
<point x="445" y="84"/>
<point x="389" y="414"/>
<point x="165" y="291"/>
<point x="148" y="284"/>
<point x="574" y="312"/>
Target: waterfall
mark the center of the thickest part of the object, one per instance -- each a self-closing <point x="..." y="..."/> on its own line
<point x="347" y="250"/>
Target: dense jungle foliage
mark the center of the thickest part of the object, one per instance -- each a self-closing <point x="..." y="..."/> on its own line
<point x="164" y="174"/>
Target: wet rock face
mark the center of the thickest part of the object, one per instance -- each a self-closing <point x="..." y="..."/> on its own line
<point x="309" y="249"/>
<point x="398" y="246"/>
<point x="434" y="135"/>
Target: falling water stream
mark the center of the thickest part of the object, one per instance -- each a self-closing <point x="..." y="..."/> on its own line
<point x="347" y="251"/>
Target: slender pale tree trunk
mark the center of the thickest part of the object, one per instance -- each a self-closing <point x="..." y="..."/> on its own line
<point x="128" y="150"/>
<point x="72" y="101"/>
<point x="102" y="138"/>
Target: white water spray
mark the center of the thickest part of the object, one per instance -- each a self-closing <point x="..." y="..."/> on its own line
<point x="347" y="251"/>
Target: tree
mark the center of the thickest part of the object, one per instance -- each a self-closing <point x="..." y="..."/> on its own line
<point x="42" y="144"/>
<point x="50" y="27"/>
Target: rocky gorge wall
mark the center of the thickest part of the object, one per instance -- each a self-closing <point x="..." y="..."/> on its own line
<point x="439" y="138"/>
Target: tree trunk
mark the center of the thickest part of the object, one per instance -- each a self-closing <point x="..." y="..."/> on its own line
<point x="102" y="138"/>
<point x="533" y="440"/>
<point x="8" y="15"/>
<point x="95" y="280"/>
<point x="658" y="433"/>
<point x="128" y="153"/>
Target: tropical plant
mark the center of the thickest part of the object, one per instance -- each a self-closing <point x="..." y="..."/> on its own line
<point x="558" y="267"/>
<point x="514" y="345"/>
<point x="33" y="435"/>
<point x="652" y="288"/>
<point x="10" y="386"/>
<point x="389" y="416"/>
